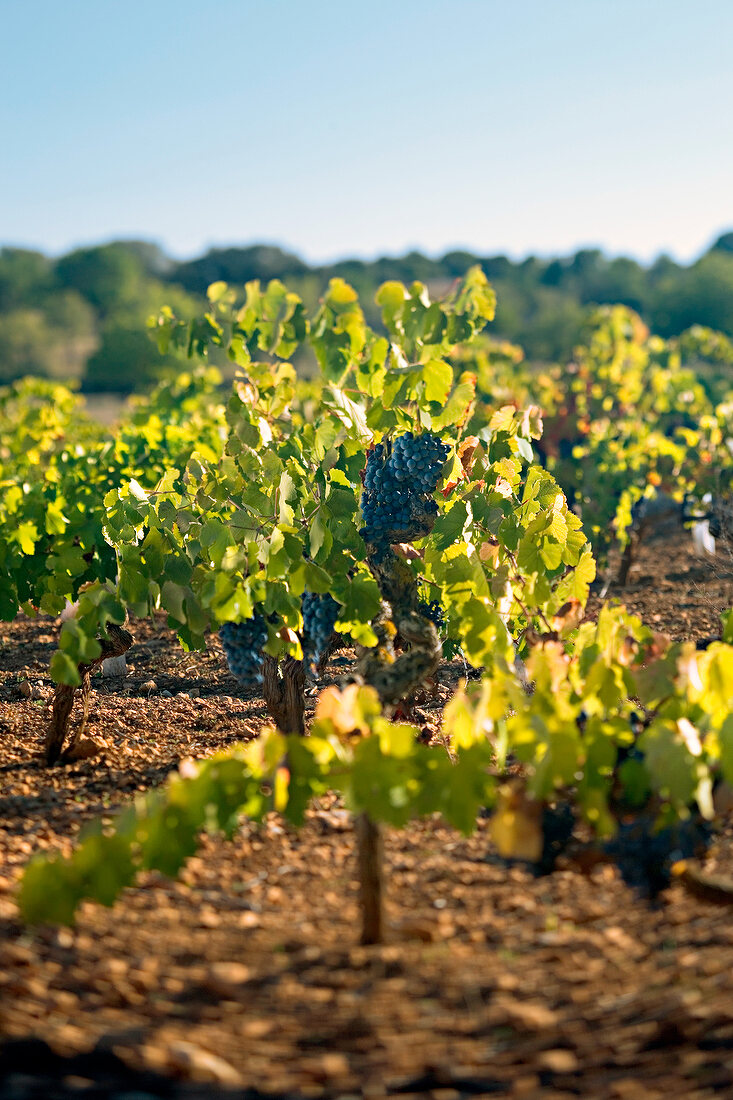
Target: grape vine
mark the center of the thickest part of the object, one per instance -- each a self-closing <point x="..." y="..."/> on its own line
<point x="393" y="503"/>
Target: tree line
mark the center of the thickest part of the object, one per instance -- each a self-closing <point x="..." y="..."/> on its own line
<point x="82" y="316"/>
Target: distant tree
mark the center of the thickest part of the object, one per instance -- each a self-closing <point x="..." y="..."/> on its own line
<point x="456" y="264"/>
<point x="724" y="243"/>
<point x="527" y="273"/>
<point x="497" y="267"/>
<point x="619" y="281"/>
<point x="698" y="295"/>
<point x="554" y="273"/>
<point x="72" y="326"/>
<point x="238" y="266"/>
<point x="550" y="331"/>
<point x="151" y="256"/>
<point x="408" y="269"/>
<point x="52" y="341"/>
<point x="68" y="312"/>
<point x="585" y="263"/>
<point x="511" y="308"/>
<point x="109" y="276"/>
<point x="24" y="344"/>
<point x="126" y="361"/>
<point x="662" y="268"/>
<point x="24" y="276"/>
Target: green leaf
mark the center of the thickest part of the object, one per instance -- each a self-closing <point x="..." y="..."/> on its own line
<point x="55" y="521"/>
<point x="438" y="378"/>
<point x="583" y="575"/>
<point x="217" y="291"/>
<point x="673" y="770"/>
<point x="362" y="602"/>
<point x="48" y="893"/>
<point x="391" y="297"/>
<point x="351" y="415"/>
<point x="530" y="558"/>
<point x="726" y="748"/>
<point x="64" y="670"/>
<point x="178" y="569"/>
<point x="26" y="536"/>
<point x="557" y="527"/>
<point x="525" y="448"/>
<point x="172" y="598"/>
<point x="321" y="538"/>
<point x="483" y="634"/>
<point x="450" y="526"/>
<point x="458" y="405"/>
<point x="104" y="866"/>
<point x="167" y="837"/>
<point x="727" y="620"/>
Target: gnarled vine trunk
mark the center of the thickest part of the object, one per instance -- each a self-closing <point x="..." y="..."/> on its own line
<point x="115" y="642"/>
<point x="283" y="689"/>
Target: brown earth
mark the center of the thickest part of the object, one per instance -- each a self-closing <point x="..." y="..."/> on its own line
<point x="247" y="973"/>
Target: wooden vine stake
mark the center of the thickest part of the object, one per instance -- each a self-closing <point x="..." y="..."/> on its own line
<point x="370" y="849"/>
<point x="116" y="642"/>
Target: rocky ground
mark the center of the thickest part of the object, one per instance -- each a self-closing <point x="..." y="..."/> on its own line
<point x="246" y="977"/>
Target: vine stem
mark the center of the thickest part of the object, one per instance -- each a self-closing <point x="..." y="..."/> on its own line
<point x="518" y="578"/>
<point x="113" y="643"/>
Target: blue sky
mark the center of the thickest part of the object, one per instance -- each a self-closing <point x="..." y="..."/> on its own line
<point x="369" y="127"/>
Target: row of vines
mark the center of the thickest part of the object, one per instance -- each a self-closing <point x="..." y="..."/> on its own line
<point x="422" y="494"/>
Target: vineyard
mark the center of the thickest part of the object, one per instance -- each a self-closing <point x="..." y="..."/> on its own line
<point x="386" y="704"/>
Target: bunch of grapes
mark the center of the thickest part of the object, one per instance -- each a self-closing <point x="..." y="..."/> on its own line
<point x="716" y="511"/>
<point x="644" y="854"/>
<point x="630" y="777"/>
<point x="432" y="611"/>
<point x="558" y="823"/>
<point x="398" y="484"/>
<point x="319" y="618"/>
<point x="418" y="461"/>
<point x="243" y="644"/>
<point x="720" y="518"/>
<point x="652" y="511"/>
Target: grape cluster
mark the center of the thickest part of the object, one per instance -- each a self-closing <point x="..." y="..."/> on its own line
<point x="644" y="855"/>
<point x="398" y="483"/>
<point x="717" y="511"/>
<point x="720" y="518"/>
<point x="319" y="618"/>
<point x="243" y="644"/>
<point x="432" y="611"/>
<point x="652" y="511"/>
<point x="558" y="823"/>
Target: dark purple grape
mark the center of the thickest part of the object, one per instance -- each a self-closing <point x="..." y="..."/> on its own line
<point x="242" y="643"/>
<point x="644" y="854"/>
<point x="319" y="618"/>
<point x="398" y="486"/>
